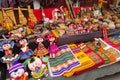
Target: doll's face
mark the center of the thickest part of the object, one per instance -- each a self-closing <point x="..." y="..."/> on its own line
<point x="6" y="46"/>
<point x="52" y="39"/>
<point x="18" y="73"/>
<point x="23" y="41"/>
<point x="39" y="40"/>
<point x="34" y="65"/>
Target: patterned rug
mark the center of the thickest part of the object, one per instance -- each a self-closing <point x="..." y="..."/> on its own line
<point x="86" y="62"/>
<point x="64" y="61"/>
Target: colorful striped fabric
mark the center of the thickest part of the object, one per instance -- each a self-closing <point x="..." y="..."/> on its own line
<point x="116" y="41"/>
<point x="64" y="61"/>
<point x="100" y="52"/>
<point x="98" y="60"/>
<point x="110" y="49"/>
<point x="114" y="45"/>
<point x="86" y="62"/>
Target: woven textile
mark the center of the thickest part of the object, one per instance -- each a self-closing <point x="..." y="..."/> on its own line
<point x="64" y="61"/>
<point x="110" y="49"/>
<point x="100" y="52"/>
<point x="116" y="41"/>
<point x="114" y="45"/>
<point x="86" y="62"/>
<point x="98" y="60"/>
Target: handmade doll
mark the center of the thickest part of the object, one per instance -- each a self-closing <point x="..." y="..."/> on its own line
<point x="40" y="50"/>
<point x="53" y="48"/>
<point x="37" y="67"/>
<point x="6" y="46"/>
<point x="17" y="33"/>
<point x="18" y="72"/>
<point x="25" y="51"/>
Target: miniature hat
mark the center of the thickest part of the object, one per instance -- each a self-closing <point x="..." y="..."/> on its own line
<point x="15" y="66"/>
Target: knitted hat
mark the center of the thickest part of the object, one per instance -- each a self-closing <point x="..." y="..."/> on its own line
<point x="15" y="66"/>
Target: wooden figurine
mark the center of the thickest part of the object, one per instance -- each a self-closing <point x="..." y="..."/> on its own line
<point x="22" y="19"/>
<point x="31" y="19"/>
<point x="6" y="22"/>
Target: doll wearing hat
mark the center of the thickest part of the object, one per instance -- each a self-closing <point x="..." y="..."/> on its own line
<point x="37" y="67"/>
<point x="53" y="48"/>
<point x="25" y="51"/>
<point x="18" y="72"/>
<point x="40" y="50"/>
<point x="6" y="46"/>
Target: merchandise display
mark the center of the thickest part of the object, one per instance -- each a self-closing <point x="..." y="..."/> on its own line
<point x="61" y="42"/>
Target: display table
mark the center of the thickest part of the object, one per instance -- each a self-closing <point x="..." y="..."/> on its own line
<point x="91" y="75"/>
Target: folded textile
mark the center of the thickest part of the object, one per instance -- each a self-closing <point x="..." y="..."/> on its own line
<point x="86" y="62"/>
<point x="116" y="41"/>
<point x="98" y="60"/>
<point x="100" y="52"/>
<point x="110" y="49"/>
<point x="64" y="61"/>
<point x="112" y="44"/>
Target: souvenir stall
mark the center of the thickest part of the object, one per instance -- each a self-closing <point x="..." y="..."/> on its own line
<point x="59" y="39"/>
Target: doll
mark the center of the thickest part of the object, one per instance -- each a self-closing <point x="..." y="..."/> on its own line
<point x="25" y="51"/>
<point x="40" y="50"/>
<point x="53" y="48"/>
<point x="18" y="72"/>
<point x="6" y="46"/>
<point x="37" y="67"/>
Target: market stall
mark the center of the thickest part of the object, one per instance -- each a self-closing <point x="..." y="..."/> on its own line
<point x="66" y="42"/>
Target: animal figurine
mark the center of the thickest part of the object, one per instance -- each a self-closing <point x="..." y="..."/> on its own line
<point x="18" y="72"/>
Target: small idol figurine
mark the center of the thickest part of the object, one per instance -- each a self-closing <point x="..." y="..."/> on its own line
<point x="18" y="72"/>
<point x="97" y="43"/>
<point x="6" y="46"/>
<point x="25" y="51"/>
<point x="53" y="48"/>
<point x="40" y="50"/>
<point x="37" y="67"/>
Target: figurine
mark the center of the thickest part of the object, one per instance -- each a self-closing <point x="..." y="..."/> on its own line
<point x="18" y="72"/>
<point x="40" y="50"/>
<point x="6" y="46"/>
<point x="37" y="67"/>
<point x="17" y="33"/>
<point x="25" y="51"/>
<point x="53" y="48"/>
<point x="57" y="15"/>
<point x="97" y="43"/>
